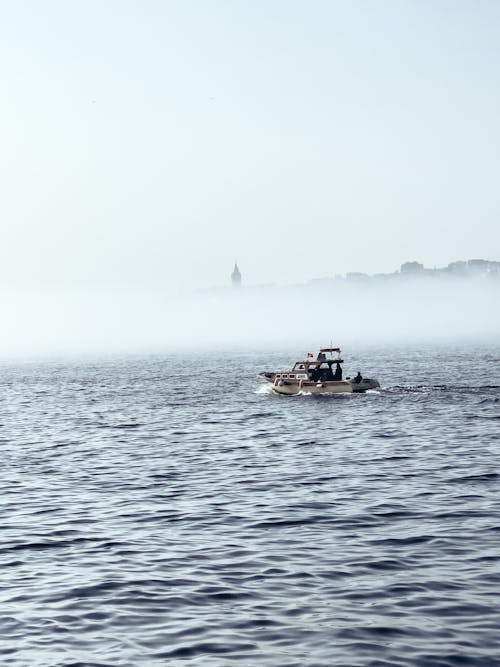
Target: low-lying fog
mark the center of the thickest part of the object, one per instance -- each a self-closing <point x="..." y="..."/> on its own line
<point x="89" y="322"/>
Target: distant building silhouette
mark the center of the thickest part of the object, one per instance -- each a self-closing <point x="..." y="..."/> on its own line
<point x="236" y="276"/>
<point x="472" y="269"/>
<point x="412" y="268"/>
<point x="356" y="276"/>
<point x="457" y="268"/>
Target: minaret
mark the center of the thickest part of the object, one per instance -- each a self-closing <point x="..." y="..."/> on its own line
<point x="236" y="276"/>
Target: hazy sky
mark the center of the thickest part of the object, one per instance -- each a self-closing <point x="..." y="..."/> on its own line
<point x="152" y="143"/>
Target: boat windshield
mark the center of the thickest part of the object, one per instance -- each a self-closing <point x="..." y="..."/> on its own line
<point x="329" y="353"/>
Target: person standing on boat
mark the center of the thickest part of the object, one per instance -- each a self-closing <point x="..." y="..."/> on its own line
<point x="358" y="378"/>
<point x="338" y="372"/>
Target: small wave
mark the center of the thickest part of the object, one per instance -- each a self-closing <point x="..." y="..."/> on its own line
<point x="484" y="477"/>
<point x="206" y="648"/>
<point x="119" y="426"/>
<point x="326" y="395"/>
<point x="257" y="415"/>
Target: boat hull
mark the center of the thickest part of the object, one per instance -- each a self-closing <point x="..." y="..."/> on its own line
<point x="291" y="387"/>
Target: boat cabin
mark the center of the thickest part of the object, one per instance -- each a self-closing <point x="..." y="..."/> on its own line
<point x="325" y="368"/>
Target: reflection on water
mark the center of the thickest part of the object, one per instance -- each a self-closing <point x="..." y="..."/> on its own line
<point x="171" y="511"/>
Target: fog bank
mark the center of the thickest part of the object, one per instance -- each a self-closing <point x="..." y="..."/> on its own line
<point x="94" y="322"/>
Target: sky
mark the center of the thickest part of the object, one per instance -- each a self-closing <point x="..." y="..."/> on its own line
<point x="149" y="145"/>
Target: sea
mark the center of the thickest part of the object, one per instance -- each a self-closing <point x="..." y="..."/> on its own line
<point x="168" y="509"/>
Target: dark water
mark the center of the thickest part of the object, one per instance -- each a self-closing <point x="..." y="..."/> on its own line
<point x="162" y="511"/>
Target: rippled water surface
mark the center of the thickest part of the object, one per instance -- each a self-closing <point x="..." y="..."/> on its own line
<point x="169" y="511"/>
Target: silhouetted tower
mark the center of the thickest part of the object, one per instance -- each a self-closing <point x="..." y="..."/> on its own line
<point x="236" y="276"/>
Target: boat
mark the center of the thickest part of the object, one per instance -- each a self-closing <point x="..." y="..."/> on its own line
<point x="322" y="375"/>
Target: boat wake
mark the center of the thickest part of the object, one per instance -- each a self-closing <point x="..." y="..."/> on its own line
<point x="425" y="389"/>
<point x="268" y="390"/>
<point x="397" y="389"/>
<point x="264" y="389"/>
